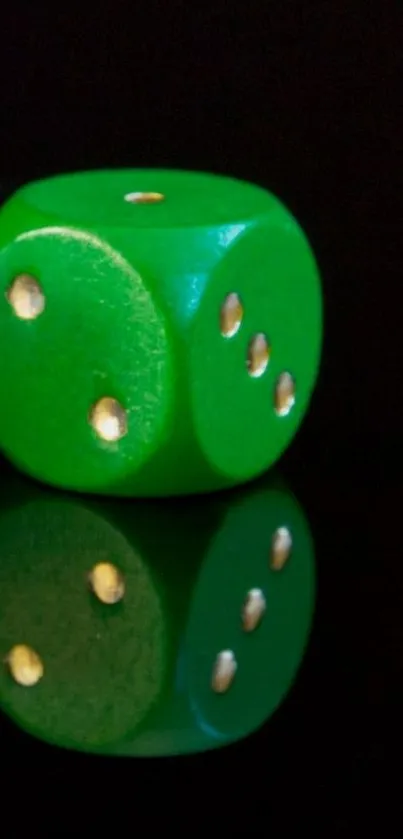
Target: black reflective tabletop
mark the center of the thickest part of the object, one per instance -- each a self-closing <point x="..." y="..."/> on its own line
<point x="316" y="678"/>
<point x="251" y="670"/>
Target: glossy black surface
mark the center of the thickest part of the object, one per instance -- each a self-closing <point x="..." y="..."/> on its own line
<point x="305" y="99"/>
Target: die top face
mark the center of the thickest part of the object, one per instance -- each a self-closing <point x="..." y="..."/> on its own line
<point x="146" y="198"/>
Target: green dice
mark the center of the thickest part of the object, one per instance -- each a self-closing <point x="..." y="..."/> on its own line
<point x="160" y="331"/>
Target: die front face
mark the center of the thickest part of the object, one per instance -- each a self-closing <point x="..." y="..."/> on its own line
<point x="76" y="361"/>
<point x="160" y="331"/>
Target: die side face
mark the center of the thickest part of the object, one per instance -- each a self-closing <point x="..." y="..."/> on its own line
<point x="183" y="313"/>
<point x="261" y="364"/>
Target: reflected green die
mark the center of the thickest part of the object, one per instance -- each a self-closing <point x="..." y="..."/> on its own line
<point x="138" y="677"/>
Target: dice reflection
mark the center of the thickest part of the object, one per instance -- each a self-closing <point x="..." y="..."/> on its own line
<point x="202" y="647"/>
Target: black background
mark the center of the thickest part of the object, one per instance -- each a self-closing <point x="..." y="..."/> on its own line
<point x="305" y="99"/>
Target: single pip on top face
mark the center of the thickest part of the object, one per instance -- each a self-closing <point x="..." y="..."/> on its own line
<point x="161" y="331"/>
